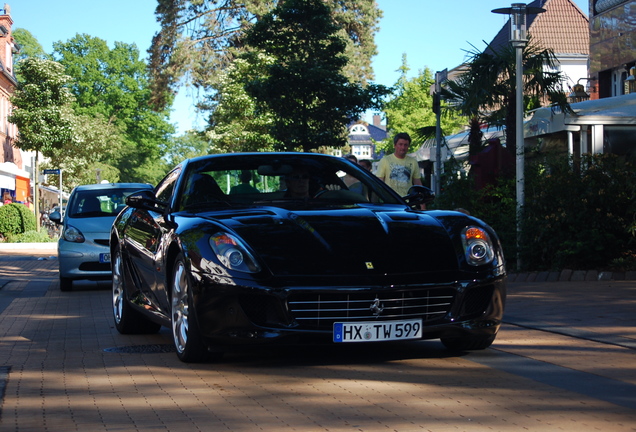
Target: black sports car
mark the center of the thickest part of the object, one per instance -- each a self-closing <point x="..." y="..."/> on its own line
<point x="294" y="248"/>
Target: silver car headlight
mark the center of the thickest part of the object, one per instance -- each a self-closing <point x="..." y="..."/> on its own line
<point x="233" y="254"/>
<point x="72" y="234"/>
<point x="478" y="247"/>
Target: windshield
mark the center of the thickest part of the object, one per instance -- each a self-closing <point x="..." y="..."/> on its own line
<point x="282" y="181"/>
<point x="98" y="202"/>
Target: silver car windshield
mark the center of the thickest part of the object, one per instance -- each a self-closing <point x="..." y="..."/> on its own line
<point x="98" y="203"/>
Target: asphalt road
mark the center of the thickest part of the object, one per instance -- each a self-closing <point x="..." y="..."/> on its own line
<point x="564" y="360"/>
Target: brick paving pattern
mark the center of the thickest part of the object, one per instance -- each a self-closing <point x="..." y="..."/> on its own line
<point x="64" y="367"/>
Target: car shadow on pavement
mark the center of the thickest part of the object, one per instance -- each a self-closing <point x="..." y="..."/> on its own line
<point x="332" y="354"/>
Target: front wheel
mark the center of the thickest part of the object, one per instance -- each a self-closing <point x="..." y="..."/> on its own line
<point x="127" y="320"/>
<point x="468" y="343"/>
<point x="186" y="334"/>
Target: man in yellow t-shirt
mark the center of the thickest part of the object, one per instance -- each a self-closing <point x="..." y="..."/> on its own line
<point x="399" y="170"/>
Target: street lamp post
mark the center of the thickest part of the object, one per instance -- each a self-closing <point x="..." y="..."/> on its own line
<point x="519" y="38"/>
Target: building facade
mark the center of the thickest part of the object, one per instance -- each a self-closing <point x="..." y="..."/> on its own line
<point x="613" y="46"/>
<point x="14" y="179"/>
<point x="606" y="125"/>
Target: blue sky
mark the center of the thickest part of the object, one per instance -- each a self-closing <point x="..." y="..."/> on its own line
<point x="434" y="34"/>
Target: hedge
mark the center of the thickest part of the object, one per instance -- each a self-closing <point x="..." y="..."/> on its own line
<point x="16" y="219"/>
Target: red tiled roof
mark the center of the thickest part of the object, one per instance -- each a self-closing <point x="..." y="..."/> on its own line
<point x="563" y="27"/>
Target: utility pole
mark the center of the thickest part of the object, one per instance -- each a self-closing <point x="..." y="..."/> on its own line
<point x="440" y="77"/>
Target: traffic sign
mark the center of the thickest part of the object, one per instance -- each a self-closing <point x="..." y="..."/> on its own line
<point x="52" y="171"/>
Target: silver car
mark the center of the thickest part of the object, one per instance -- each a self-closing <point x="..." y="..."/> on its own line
<point x="83" y="247"/>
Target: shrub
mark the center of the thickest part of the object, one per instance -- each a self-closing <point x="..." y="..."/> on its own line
<point x="16" y="219"/>
<point x="579" y="215"/>
<point x="496" y="205"/>
<point x="30" y="237"/>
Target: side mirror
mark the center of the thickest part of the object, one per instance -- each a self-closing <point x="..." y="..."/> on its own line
<point x="56" y="217"/>
<point x="145" y="200"/>
<point x="419" y="195"/>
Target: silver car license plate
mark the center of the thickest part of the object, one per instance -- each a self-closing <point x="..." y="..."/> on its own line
<point x="104" y="257"/>
<point x="374" y="331"/>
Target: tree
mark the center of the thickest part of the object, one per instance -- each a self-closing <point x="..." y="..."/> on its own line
<point x="29" y="47"/>
<point x="42" y="110"/>
<point x="199" y="39"/>
<point x="189" y="145"/>
<point x="487" y="90"/>
<point x="42" y="106"/>
<point x="304" y="86"/>
<point x="81" y="160"/>
<point x="411" y="109"/>
<point x="238" y="122"/>
<point x="113" y="84"/>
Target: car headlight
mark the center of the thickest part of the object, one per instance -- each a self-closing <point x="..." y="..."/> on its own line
<point x="233" y="254"/>
<point x="72" y="234"/>
<point x="477" y="246"/>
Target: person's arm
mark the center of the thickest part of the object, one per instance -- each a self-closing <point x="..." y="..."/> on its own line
<point x="415" y="176"/>
<point x="381" y="173"/>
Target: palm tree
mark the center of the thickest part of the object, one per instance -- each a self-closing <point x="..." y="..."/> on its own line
<point x="486" y="92"/>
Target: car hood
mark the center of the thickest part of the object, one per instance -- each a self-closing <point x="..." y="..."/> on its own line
<point x="100" y="224"/>
<point x="351" y="241"/>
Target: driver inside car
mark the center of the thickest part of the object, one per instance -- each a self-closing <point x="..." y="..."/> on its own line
<point x="298" y="184"/>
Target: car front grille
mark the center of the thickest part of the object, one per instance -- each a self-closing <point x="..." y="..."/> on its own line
<point x="320" y="310"/>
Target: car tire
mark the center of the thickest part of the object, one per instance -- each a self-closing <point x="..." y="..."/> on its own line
<point x="186" y="334"/>
<point x="66" y="284"/>
<point x="468" y="343"/>
<point x="127" y="320"/>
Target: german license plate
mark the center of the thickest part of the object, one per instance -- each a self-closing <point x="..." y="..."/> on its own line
<point x="374" y="331"/>
<point x="104" y="257"/>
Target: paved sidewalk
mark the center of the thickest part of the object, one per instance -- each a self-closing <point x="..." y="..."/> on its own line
<point x="63" y="367"/>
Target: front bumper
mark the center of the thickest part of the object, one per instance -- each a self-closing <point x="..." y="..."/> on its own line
<point x="241" y="315"/>
<point x="82" y="260"/>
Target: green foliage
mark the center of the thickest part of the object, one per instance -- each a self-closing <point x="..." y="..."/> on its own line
<point x="112" y="98"/>
<point x="199" y="39"/>
<point x="487" y="90"/>
<point x="16" y="219"/>
<point x="30" y="237"/>
<point x="238" y="123"/>
<point x="305" y="87"/>
<point x="579" y="218"/>
<point x="82" y="159"/>
<point x="495" y="204"/>
<point x="411" y="109"/>
<point x="29" y="47"/>
<point x="189" y="145"/>
<point x="42" y="110"/>
<point x="576" y="216"/>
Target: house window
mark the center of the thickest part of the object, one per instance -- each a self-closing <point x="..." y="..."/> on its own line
<point x="359" y="129"/>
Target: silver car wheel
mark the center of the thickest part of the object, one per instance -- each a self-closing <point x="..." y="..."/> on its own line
<point x="180" y="308"/>
<point x="118" y="287"/>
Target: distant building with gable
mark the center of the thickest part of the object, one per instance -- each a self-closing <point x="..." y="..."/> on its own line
<point x="563" y="28"/>
<point x="363" y="136"/>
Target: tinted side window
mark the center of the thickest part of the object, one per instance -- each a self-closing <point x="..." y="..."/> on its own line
<point x="165" y="188"/>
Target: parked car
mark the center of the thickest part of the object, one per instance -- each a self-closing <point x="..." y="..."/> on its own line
<point x="298" y="255"/>
<point x="83" y="249"/>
